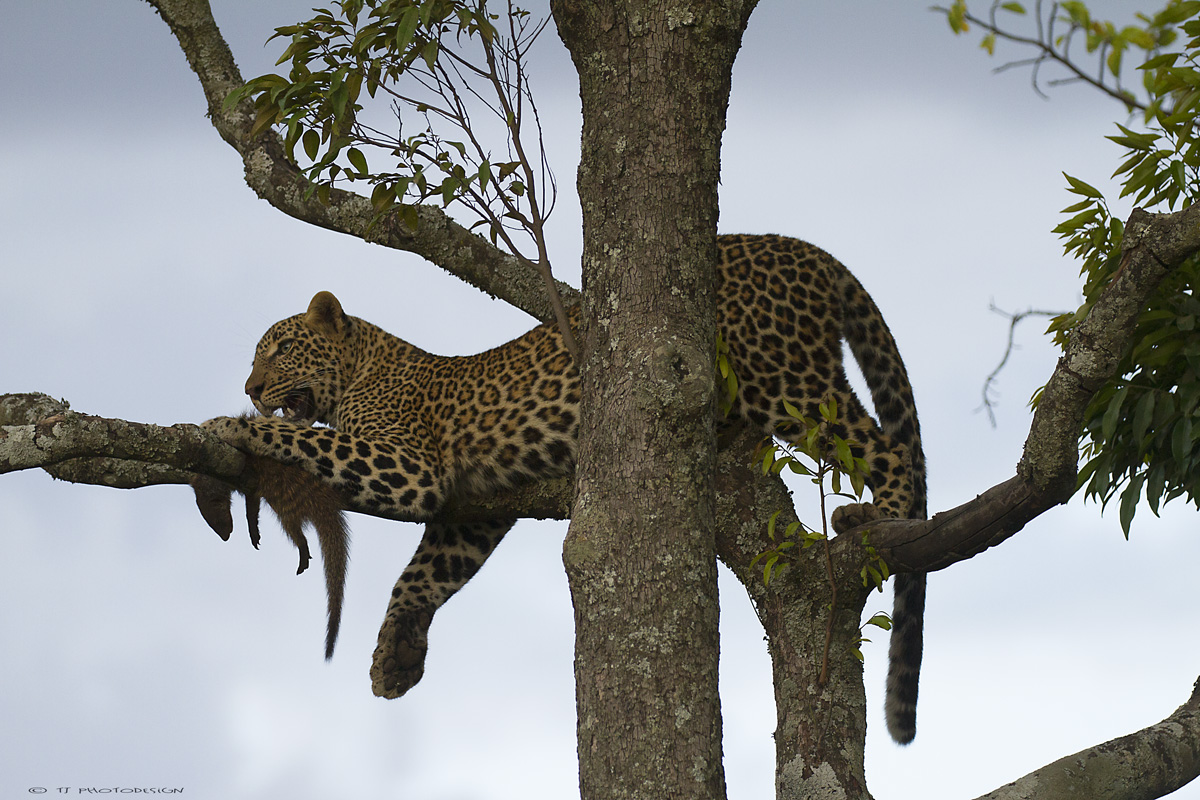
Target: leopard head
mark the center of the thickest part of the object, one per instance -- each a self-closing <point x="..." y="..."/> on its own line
<point x="299" y="364"/>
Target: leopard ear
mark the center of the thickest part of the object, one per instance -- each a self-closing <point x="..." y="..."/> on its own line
<point x="325" y="315"/>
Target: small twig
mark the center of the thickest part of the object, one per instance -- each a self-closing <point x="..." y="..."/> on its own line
<point x="1013" y="321"/>
<point x="822" y="468"/>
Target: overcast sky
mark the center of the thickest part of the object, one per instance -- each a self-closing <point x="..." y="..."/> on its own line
<point x="139" y="650"/>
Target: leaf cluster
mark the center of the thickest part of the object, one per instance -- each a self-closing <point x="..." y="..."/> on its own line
<point x="814" y="451"/>
<point x="437" y="61"/>
<point x="880" y="620"/>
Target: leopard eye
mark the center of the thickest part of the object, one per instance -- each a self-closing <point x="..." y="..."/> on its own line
<point x="284" y="346"/>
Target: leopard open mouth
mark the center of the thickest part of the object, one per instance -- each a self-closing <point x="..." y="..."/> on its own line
<point x="299" y="406"/>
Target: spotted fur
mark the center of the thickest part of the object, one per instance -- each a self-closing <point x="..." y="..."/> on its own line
<point x="411" y="430"/>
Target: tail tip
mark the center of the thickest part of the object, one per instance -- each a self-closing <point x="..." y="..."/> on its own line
<point x="902" y="723"/>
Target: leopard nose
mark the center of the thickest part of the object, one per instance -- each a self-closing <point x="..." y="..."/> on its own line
<point x="254" y="389"/>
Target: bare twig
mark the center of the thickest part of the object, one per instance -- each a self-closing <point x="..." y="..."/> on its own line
<point x="988" y="404"/>
<point x="445" y="90"/>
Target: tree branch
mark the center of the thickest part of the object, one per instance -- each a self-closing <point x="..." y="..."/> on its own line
<point x="1151" y="763"/>
<point x="1155" y="244"/>
<point x="40" y="432"/>
<point x="277" y="180"/>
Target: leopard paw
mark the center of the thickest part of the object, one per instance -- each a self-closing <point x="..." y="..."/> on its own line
<point x="399" y="660"/>
<point x="852" y="515"/>
<point x="227" y="429"/>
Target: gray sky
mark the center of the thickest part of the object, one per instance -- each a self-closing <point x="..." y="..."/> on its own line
<point x="139" y="271"/>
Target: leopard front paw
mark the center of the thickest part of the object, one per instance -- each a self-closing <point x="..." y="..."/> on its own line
<point x="852" y="515"/>
<point x="399" y="660"/>
<point x="228" y="429"/>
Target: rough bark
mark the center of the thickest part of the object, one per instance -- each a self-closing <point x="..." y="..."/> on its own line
<point x="640" y="551"/>
<point x="38" y="431"/>
<point x="811" y="621"/>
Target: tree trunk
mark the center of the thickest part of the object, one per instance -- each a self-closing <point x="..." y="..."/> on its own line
<point x="640" y="552"/>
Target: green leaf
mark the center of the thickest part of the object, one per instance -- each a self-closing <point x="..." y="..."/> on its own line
<point x="844" y="456"/>
<point x="358" y="161"/>
<point x="956" y="16"/>
<point x="1113" y="414"/>
<point x="768" y="459"/>
<point x="1164" y="60"/>
<point x="1181" y="440"/>
<point x="1129" y="501"/>
<point x="1142" y="415"/>
<point x="430" y="53"/>
<point x="799" y="468"/>
<point x="410" y="217"/>
<point x="312" y="144"/>
<point x="881" y="620"/>
<point x="1079" y="187"/>
<point x="382" y="197"/>
<point x="406" y="28"/>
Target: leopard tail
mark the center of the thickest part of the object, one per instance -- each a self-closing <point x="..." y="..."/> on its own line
<point x="878" y="357"/>
<point x="334" y="536"/>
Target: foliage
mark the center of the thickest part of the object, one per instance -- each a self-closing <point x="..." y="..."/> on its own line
<point x="879" y="620"/>
<point x="819" y="454"/>
<point x="829" y="458"/>
<point x="727" y="382"/>
<point x="1141" y="434"/>
<point x="437" y="62"/>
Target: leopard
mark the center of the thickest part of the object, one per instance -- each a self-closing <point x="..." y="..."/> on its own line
<point x="298" y="500"/>
<point x="398" y="432"/>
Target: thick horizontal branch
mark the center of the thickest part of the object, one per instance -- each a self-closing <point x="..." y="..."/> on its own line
<point x="917" y="545"/>
<point x="1155" y="244"/>
<point x="1151" y="763"/>
<point x="37" y="431"/>
<point x="279" y="181"/>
